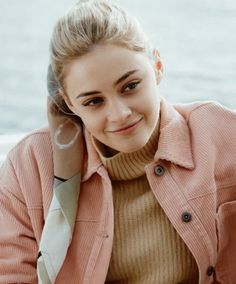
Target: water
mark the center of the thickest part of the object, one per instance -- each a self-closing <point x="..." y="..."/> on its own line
<point x="197" y="41"/>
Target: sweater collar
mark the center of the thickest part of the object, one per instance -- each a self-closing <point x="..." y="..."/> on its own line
<point x="174" y="142"/>
<point x="128" y="166"/>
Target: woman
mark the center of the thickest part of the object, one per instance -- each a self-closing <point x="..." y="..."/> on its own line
<point x="144" y="192"/>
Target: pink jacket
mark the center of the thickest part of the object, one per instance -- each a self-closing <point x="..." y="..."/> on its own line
<point x="193" y="177"/>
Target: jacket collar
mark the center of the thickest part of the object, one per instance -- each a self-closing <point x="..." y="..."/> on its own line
<point x="174" y="142"/>
<point x="92" y="160"/>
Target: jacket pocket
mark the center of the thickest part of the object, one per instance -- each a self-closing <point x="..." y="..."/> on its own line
<point x="99" y="239"/>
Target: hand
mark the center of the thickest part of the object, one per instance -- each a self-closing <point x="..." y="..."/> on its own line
<point x="66" y="137"/>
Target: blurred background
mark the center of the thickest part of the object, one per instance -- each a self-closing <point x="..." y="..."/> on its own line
<point x="196" y="39"/>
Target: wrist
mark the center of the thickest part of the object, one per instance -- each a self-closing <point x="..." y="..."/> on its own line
<point x="59" y="178"/>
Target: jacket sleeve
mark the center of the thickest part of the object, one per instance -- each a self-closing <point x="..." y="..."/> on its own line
<point x="18" y="246"/>
<point x="223" y="121"/>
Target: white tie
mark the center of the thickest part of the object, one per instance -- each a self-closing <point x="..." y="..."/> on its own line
<point x="58" y="230"/>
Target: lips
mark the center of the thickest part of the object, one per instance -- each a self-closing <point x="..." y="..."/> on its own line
<point x="127" y="127"/>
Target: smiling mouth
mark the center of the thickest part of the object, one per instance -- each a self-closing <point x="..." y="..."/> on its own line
<point x="127" y="128"/>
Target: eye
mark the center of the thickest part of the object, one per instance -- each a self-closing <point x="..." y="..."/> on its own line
<point x="131" y="86"/>
<point x="93" y="102"/>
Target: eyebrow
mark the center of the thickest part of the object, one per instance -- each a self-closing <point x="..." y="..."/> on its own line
<point x="121" y="79"/>
<point x="126" y="75"/>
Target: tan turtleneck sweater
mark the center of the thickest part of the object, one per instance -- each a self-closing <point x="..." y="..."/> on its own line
<point x="146" y="247"/>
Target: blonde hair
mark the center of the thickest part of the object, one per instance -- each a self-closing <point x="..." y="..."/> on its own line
<point x="91" y="22"/>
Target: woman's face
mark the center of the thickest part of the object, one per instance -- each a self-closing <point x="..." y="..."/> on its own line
<point x="114" y="92"/>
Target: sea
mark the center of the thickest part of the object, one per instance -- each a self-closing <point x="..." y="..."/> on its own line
<point x="196" y="39"/>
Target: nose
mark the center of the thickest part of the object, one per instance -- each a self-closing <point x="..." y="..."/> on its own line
<point x="118" y="111"/>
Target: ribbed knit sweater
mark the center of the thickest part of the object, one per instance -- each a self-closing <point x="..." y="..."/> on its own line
<point x="146" y="247"/>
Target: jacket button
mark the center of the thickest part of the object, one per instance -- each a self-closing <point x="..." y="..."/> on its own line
<point x="159" y="170"/>
<point x="210" y="270"/>
<point x="186" y="217"/>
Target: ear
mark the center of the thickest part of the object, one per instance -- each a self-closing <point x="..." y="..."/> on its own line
<point x="158" y="65"/>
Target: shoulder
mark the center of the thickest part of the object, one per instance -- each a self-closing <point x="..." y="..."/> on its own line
<point x="31" y="155"/>
<point x="211" y="126"/>
<point x="211" y="109"/>
<point x="212" y="129"/>
<point x="28" y="168"/>
<point x="210" y="116"/>
<point x="34" y="142"/>
<point x="37" y="136"/>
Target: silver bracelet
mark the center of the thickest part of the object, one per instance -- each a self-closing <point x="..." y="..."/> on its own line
<point x="58" y="132"/>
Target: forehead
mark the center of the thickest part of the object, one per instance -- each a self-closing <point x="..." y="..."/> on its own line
<point x="103" y="63"/>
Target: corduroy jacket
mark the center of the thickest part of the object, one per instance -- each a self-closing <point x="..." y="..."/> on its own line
<point x="193" y="177"/>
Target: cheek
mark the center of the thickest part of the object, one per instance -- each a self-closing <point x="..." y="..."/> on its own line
<point x="152" y="108"/>
<point x="91" y="123"/>
<point x="154" y="97"/>
<point x="150" y="103"/>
